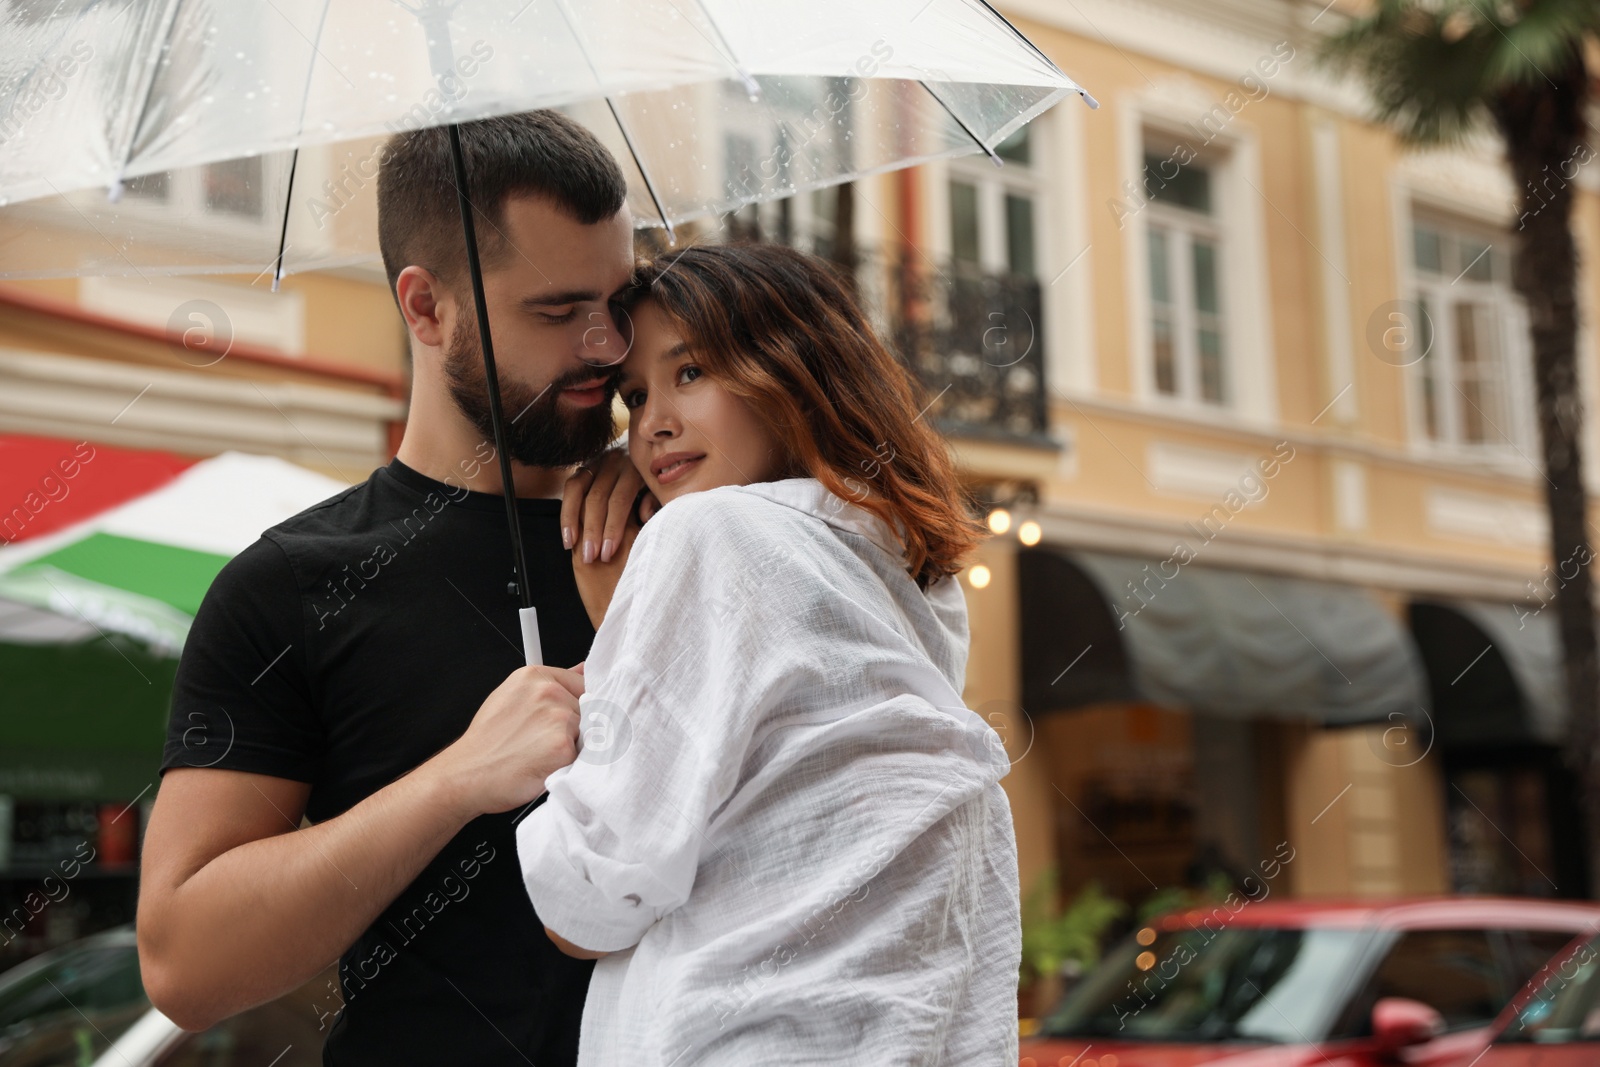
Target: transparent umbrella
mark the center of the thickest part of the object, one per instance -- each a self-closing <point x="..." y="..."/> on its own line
<point x="198" y="136"/>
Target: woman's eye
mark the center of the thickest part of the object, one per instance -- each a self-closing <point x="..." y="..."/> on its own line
<point x="633" y="399"/>
<point x="691" y="371"/>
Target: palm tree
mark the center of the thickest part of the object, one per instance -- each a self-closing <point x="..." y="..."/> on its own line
<point x="1437" y="70"/>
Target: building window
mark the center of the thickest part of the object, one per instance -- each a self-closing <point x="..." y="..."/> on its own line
<point x="992" y="209"/>
<point x="739" y="172"/>
<point x="823" y="221"/>
<point x="976" y="322"/>
<point x="1465" y="311"/>
<point x="232" y="188"/>
<point x="1188" y="339"/>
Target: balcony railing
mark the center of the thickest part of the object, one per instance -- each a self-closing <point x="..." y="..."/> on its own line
<point x="975" y="339"/>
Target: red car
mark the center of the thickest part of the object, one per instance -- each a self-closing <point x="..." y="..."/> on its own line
<point x="1299" y="983"/>
<point x="1555" y="1020"/>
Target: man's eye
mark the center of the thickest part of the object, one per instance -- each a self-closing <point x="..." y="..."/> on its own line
<point x="555" y="318"/>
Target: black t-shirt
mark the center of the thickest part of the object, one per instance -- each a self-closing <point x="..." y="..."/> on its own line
<point x="344" y="648"/>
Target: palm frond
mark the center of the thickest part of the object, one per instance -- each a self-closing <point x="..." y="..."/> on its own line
<point x="1432" y="66"/>
<point x="1541" y="39"/>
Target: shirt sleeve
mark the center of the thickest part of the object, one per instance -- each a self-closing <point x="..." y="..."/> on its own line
<point x="241" y="699"/>
<point x="675" y="685"/>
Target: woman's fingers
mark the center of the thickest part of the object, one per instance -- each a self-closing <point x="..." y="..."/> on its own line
<point x="597" y="502"/>
<point x="619" y="509"/>
<point x="572" y="505"/>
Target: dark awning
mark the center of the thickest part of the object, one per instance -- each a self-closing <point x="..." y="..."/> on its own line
<point x="1494" y="671"/>
<point x="1238" y="644"/>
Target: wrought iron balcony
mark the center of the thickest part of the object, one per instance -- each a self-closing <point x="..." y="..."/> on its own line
<point x="976" y="340"/>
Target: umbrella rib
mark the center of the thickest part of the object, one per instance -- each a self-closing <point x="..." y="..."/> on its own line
<point x="616" y="116"/>
<point x="283" y="231"/>
<point x="491" y="377"/>
<point x="649" y="183"/>
<point x="1035" y="49"/>
<point x="294" y="160"/>
<point x="1082" y="92"/>
<point x="964" y="127"/>
<point x="751" y="86"/>
<point x="154" y="69"/>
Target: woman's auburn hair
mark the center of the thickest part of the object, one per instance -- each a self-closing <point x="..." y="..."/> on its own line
<point x="779" y="328"/>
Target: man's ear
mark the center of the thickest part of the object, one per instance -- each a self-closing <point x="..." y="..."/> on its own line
<point x="424" y="302"/>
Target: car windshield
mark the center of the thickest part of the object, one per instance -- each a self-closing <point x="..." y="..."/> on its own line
<point x="1565" y="1005"/>
<point x="1203" y="984"/>
<point x="70" y="1010"/>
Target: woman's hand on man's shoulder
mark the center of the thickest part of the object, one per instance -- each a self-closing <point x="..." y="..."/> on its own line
<point x="598" y="524"/>
<point x="599" y="502"/>
<point x="597" y="580"/>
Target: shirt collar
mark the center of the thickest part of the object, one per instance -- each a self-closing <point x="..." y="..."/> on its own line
<point x="812" y="497"/>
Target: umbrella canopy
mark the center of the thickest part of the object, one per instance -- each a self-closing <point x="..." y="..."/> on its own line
<point x="194" y="113"/>
<point x="716" y="103"/>
<point x="97" y="591"/>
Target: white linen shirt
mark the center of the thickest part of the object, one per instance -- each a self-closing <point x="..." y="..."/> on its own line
<point x="783" y="822"/>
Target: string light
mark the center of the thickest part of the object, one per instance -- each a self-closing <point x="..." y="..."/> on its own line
<point x="999" y="520"/>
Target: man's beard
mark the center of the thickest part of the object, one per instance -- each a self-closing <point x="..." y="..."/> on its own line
<point x="538" y="432"/>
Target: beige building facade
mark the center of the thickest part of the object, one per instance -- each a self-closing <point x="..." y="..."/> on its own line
<point x="1279" y="351"/>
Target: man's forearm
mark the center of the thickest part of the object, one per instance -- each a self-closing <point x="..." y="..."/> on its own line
<point x="575" y="951"/>
<point x="267" y="915"/>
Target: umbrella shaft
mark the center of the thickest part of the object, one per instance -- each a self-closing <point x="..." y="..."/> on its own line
<point x="491" y="378"/>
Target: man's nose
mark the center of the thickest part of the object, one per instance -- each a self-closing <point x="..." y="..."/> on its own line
<point x="602" y="343"/>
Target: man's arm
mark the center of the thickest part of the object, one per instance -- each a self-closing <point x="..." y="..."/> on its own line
<point x="573" y="950"/>
<point x="237" y="905"/>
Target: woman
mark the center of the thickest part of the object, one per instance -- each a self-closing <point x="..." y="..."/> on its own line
<point x="784" y="832"/>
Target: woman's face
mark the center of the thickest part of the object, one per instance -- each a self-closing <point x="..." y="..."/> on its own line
<point x="686" y="432"/>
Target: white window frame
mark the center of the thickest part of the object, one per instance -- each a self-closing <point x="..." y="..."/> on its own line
<point x="993" y="184"/>
<point x="186" y="199"/>
<point x="1183" y="227"/>
<point x="1161" y="116"/>
<point x="155" y="224"/>
<point x="1052" y="167"/>
<point x="1512" y="428"/>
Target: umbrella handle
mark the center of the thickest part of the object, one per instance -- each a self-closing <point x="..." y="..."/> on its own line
<point x="531" y="650"/>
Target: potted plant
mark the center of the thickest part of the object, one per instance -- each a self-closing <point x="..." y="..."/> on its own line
<point x="1055" y="946"/>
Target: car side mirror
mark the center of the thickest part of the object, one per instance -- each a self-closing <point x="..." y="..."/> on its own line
<point x="1399" y="1022"/>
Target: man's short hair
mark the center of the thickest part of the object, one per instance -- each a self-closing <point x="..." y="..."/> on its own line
<point x="534" y="153"/>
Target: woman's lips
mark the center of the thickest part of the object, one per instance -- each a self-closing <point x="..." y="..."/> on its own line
<point x="677" y="470"/>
